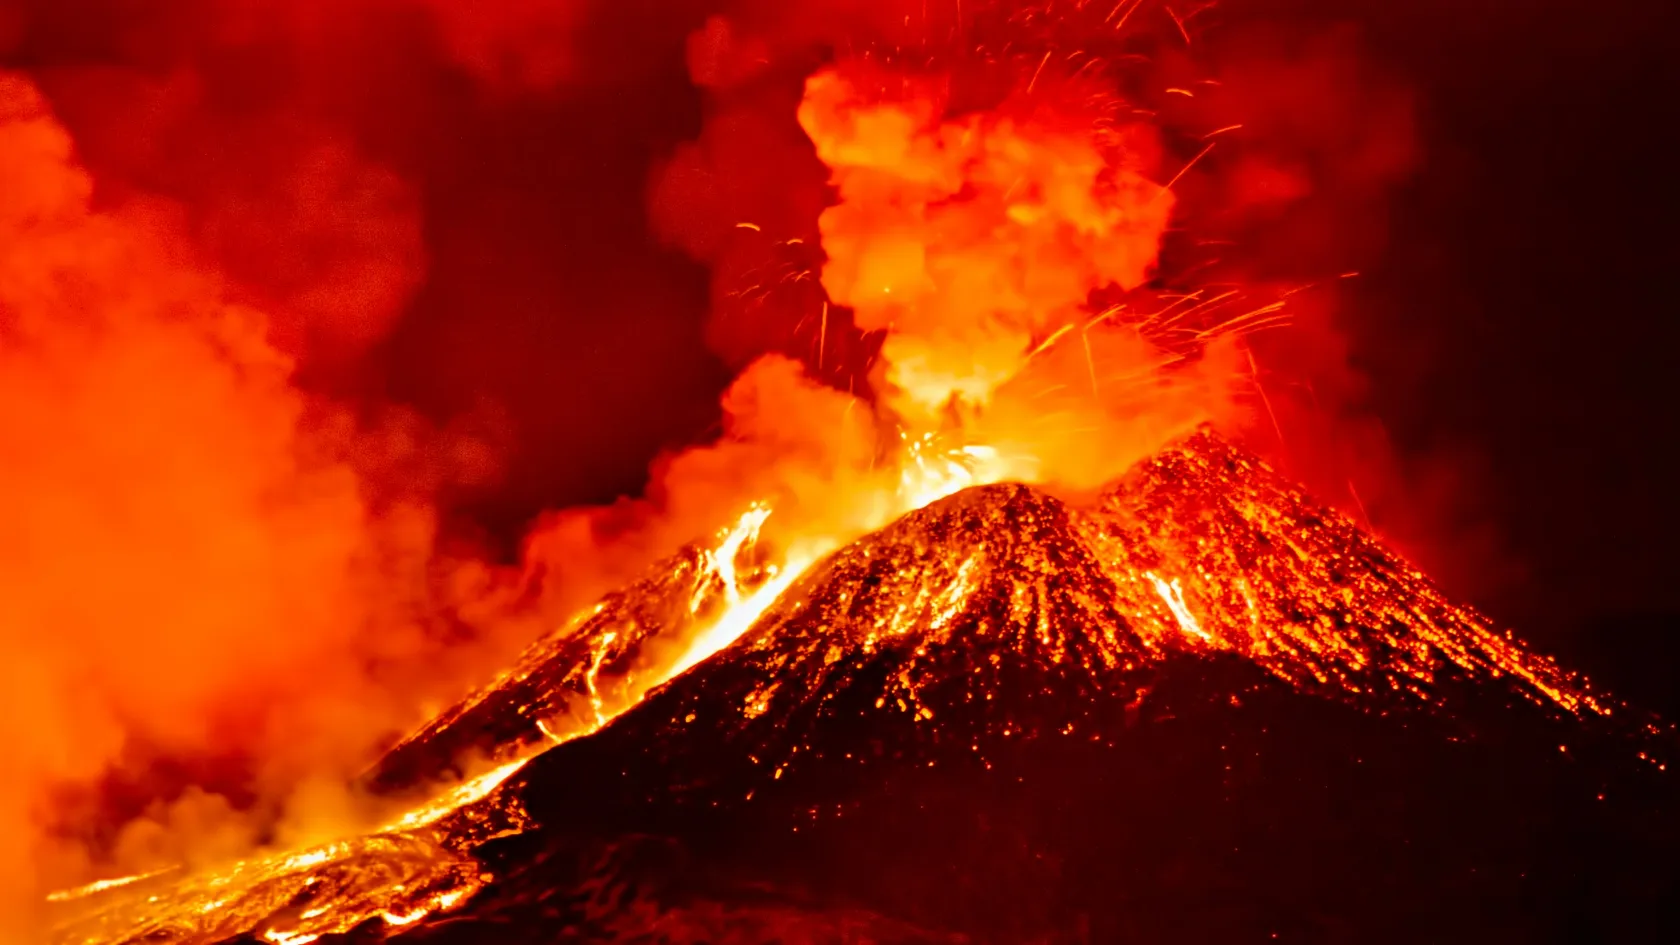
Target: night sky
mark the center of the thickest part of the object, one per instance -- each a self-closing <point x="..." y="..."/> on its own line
<point x="1522" y="314"/>
<point x="1518" y="331"/>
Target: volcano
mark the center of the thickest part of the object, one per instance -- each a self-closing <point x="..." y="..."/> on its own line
<point x="1201" y="707"/>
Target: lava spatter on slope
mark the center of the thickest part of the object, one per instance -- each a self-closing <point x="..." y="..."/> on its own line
<point x="1002" y="589"/>
<point x="1201" y="550"/>
<point x="1256" y="566"/>
<point x="966" y="592"/>
<point x="565" y="684"/>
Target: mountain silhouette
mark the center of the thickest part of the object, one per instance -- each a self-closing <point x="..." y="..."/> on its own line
<point x="1202" y="708"/>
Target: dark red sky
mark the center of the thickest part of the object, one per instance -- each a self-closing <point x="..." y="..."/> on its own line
<point x="1521" y="316"/>
<point x="1520" y="322"/>
<point x="1519" y="325"/>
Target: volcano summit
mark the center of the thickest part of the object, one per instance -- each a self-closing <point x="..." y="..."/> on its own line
<point x="1200" y="708"/>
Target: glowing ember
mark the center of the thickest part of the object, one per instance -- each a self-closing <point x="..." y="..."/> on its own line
<point x="931" y="473"/>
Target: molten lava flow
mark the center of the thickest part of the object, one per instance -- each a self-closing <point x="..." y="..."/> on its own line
<point x="412" y="863"/>
<point x="1173" y="596"/>
<point x="457" y="798"/>
<point x="738" y="611"/>
<point x="927" y="475"/>
<point x="413" y="866"/>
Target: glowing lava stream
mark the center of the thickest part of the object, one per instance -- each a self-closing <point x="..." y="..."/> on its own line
<point x="927" y="474"/>
<point x="1172" y="594"/>
<point x="78" y="892"/>
<point x="743" y="612"/>
<point x="739" y="612"/>
<point x="461" y="795"/>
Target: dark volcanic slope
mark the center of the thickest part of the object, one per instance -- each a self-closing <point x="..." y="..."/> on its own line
<point x="1011" y="720"/>
<point x="1001" y="611"/>
<point x="1205" y="710"/>
<point x="1201" y="549"/>
<point x="988" y="592"/>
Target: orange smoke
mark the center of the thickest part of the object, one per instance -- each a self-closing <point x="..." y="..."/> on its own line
<point x="194" y="565"/>
<point x="808" y="450"/>
<point x="965" y="241"/>
<point x="327" y="243"/>
<point x="972" y="245"/>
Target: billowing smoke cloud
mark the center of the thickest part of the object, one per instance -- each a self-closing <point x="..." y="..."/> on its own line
<point x="223" y="588"/>
<point x="927" y="241"/>
<point x="322" y="238"/>
<point x="201" y="562"/>
<point x="966" y="241"/>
